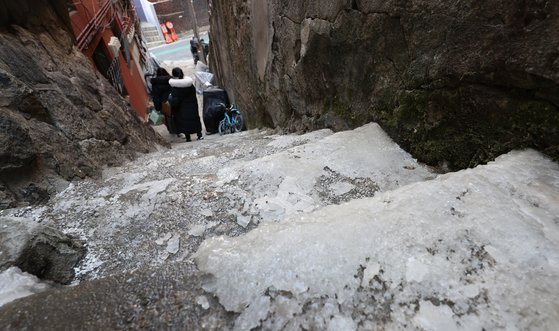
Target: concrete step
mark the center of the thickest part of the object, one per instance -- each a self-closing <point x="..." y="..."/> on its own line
<point x="151" y="32"/>
<point x="152" y="37"/>
<point x="156" y="31"/>
<point x="154" y="43"/>
<point x="153" y="40"/>
<point x="149" y="27"/>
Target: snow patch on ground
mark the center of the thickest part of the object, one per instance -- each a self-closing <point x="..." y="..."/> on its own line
<point x="15" y="284"/>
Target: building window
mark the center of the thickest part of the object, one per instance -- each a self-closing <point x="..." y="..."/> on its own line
<point x="101" y="60"/>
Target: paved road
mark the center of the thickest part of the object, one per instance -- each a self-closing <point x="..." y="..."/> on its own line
<point x="177" y="51"/>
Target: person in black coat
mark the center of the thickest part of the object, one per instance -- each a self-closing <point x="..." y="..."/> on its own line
<point x="194" y="49"/>
<point x="184" y="105"/>
<point x="160" y="90"/>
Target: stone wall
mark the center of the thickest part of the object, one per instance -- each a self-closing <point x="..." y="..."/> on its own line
<point x="454" y="83"/>
<point x="60" y="119"/>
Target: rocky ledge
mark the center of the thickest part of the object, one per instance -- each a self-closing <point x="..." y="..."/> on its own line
<point x="60" y="119"/>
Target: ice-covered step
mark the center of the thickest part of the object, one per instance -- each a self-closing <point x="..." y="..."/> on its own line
<point x="340" y="167"/>
<point x="471" y="250"/>
<point x="165" y="197"/>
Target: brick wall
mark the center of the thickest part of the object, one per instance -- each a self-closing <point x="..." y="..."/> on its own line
<point x="174" y="11"/>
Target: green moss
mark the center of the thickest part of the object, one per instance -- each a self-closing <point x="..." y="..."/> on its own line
<point x="258" y="117"/>
<point x="341" y="109"/>
<point x="464" y="127"/>
<point x="535" y="120"/>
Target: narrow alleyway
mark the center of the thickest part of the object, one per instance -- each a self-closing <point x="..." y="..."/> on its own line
<point x="324" y="224"/>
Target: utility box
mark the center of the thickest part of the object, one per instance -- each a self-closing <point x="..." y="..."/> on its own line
<point x="114" y="46"/>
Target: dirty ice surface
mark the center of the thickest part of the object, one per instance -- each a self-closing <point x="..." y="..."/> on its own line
<point x="340" y="167"/>
<point x="324" y="230"/>
<point x="160" y="207"/>
<point x="471" y="250"/>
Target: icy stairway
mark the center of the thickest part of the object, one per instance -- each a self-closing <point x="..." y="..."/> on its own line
<point x="327" y="230"/>
<point x="471" y="250"/>
<point x="226" y="184"/>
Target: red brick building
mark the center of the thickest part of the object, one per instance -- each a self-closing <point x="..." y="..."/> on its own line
<point x="106" y="32"/>
<point x="178" y="12"/>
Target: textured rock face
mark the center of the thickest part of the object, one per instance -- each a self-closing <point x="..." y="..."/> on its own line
<point x="39" y="250"/>
<point x="169" y="297"/>
<point x="59" y="118"/>
<point x="460" y="81"/>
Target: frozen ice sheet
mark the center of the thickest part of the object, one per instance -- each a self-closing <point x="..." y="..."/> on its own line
<point x="306" y="177"/>
<point x="479" y="247"/>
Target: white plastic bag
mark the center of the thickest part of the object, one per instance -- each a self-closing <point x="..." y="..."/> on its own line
<point x="202" y="80"/>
